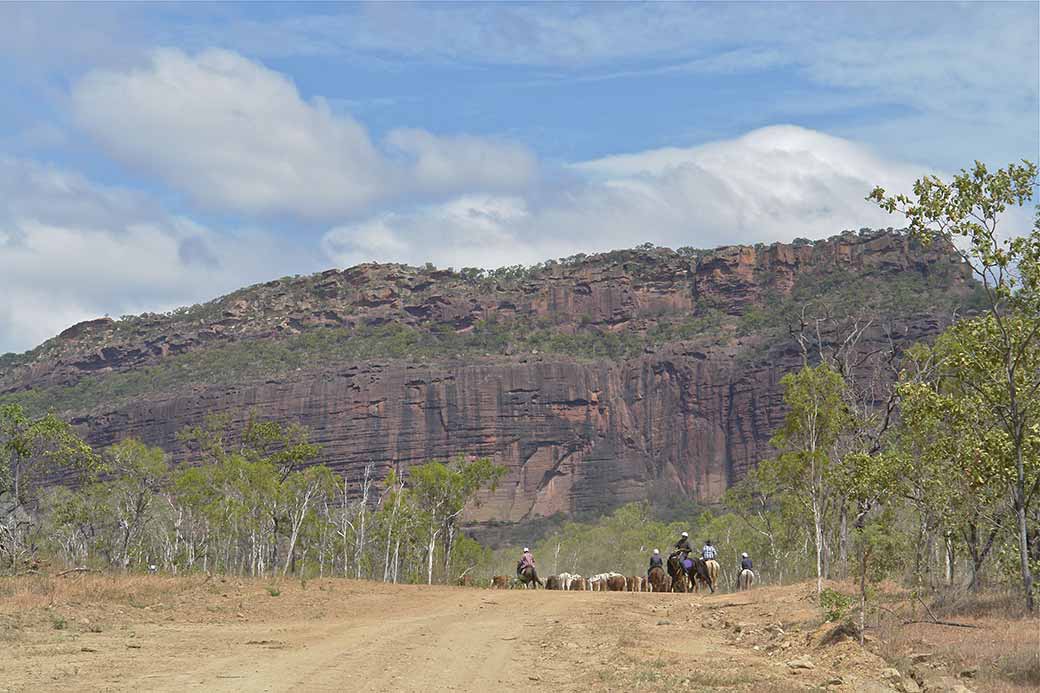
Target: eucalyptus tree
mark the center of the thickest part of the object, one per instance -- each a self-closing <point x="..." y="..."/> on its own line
<point x="440" y="492"/>
<point x="808" y="462"/>
<point x="992" y="359"/>
<point x="136" y="474"/>
<point x="33" y="449"/>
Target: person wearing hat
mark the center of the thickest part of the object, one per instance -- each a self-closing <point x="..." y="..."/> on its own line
<point x="655" y="562"/>
<point x="709" y="555"/>
<point x="526" y="561"/>
<point x="683" y="545"/>
<point x="745" y="576"/>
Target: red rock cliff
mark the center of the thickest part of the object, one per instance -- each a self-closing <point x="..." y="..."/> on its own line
<point x="683" y="413"/>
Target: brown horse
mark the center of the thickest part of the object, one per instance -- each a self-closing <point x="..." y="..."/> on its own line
<point x="688" y="580"/>
<point x="616" y="583"/>
<point x="700" y="574"/>
<point x="500" y="582"/>
<point x="658" y="580"/>
<point x="578" y="584"/>
<point x="553" y="583"/>
<point x="677" y="572"/>
<point x="529" y="578"/>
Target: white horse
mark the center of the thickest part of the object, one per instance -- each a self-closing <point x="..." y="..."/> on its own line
<point x="745" y="580"/>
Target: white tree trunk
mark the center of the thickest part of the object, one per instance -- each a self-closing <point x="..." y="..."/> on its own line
<point x="359" y="544"/>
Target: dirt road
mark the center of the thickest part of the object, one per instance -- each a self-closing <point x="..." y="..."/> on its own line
<point x="440" y="640"/>
<point x="352" y="636"/>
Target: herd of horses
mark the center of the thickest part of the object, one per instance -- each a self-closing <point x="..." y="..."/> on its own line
<point x="690" y="575"/>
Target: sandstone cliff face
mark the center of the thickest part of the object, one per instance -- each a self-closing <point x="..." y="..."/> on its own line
<point x="687" y="417"/>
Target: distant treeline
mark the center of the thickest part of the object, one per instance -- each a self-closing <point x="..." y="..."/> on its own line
<point x="259" y="507"/>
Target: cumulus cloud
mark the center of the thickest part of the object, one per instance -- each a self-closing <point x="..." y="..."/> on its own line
<point x="232" y="134"/>
<point x="72" y="250"/>
<point x="238" y="137"/>
<point x="775" y="183"/>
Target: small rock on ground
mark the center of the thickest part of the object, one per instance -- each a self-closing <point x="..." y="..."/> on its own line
<point x="802" y="662"/>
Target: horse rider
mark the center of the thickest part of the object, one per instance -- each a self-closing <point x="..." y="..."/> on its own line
<point x="682" y="547"/>
<point x="526" y="561"/>
<point x="708" y="553"/>
<point x="655" y="562"/>
<point x="746" y="574"/>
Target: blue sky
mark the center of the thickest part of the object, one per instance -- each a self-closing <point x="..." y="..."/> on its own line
<point x="156" y="155"/>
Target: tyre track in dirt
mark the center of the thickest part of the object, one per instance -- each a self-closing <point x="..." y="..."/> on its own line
<point x="475" y="641"/>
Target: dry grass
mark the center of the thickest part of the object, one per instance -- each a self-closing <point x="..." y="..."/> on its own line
<point x="1002" y="646"/>
<point x="675" y="674"/>
<point x="26" y="593"/>
<point x="959" y="602"/>
<point x="92" y="601"/>
<point x="1004" y="651"/>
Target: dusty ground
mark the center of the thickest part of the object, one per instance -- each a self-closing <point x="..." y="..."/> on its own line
<point x="89" y="632"/>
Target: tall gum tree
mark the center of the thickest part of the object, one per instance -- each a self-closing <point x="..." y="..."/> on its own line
<point x="817" y="418"/>
<point x="994" y="355"/>
<point x="439" y="493"/>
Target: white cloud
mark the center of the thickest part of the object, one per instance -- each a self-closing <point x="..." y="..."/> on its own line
<point x="232" y="134"/>
<point x="471" y="230"/>
<point x="776" y="183"/>
<point x="71" y="250"/>
<point x="453" y="163"/>
<point x="237" y="136"/>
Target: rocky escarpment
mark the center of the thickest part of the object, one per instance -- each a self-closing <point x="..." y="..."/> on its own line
<point x="594" y="380"/>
